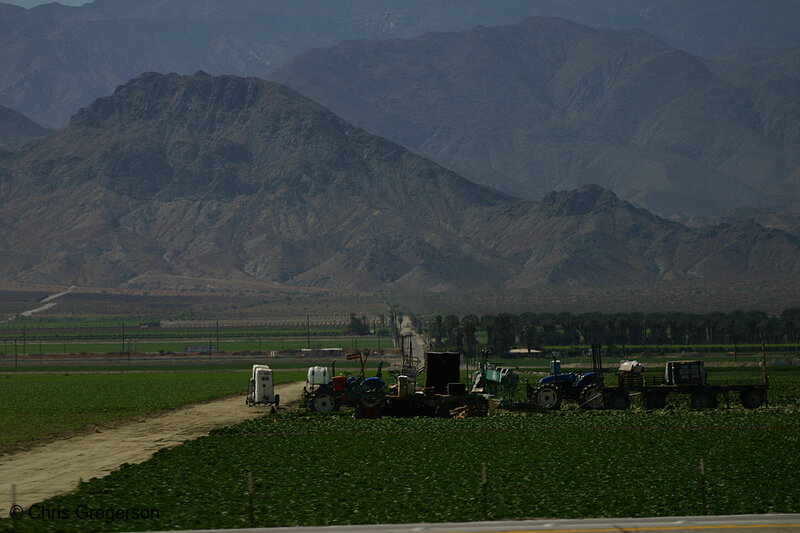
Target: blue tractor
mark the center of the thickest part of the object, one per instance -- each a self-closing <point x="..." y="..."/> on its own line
<point x="586" y="388"/>
<point x="366" y="395"/>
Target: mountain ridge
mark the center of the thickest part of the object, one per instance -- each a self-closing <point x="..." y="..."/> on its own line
<point x="17" y="129"/>
<point x="240" y="178"/>
<point x="55" y="59"/>
<point x="550" y="104"/>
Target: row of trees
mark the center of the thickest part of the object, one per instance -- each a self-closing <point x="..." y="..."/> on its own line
<point x="534" y="330"/>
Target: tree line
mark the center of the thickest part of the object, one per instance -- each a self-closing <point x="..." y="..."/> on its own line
<point x="535" y="330"/>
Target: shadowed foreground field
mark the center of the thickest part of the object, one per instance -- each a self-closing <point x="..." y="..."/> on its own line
<point x="333" y="469"/>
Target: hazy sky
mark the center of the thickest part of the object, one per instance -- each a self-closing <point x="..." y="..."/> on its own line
<point x="31" y="3"/>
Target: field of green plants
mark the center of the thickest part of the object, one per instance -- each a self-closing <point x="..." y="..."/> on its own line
<point x="10" y="346"/>
<point x="213" y="365"/>
<point x="109" y="334"/>
<point x="333" y="469"/>
<point x="37" y="405"/>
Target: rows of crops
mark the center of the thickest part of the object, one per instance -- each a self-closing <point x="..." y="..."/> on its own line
<point x="312" y="470"/>
<point x="12" y="346"/>
<point x="213" y="365"/>
<point x="32" y="406"/>
<point x="117" y="332"/>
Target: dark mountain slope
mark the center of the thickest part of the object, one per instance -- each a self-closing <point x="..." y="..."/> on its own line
<point x="55" y="59"/>
<point x="224" y="175"/>
<point x="242" y="179"/>
<point x="590" y="237"/>
<point x="16" y="129"/>
<point x="549" y="104"/>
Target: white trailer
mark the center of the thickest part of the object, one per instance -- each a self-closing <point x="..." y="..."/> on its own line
<point x="262" y="387"/>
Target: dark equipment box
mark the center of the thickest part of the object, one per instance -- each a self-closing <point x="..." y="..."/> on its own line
<point x="685" y="373"/>
<point x="441" y="369"/>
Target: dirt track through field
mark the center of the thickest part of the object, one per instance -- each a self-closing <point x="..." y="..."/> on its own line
<point x="57" y="467"/>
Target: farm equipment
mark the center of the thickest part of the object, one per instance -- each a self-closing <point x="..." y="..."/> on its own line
<point x="680" y="377"/>
<point x="497" y="382"/>
<point x="262" y="387"/>
<point x="365" y="395"/>
<point x="443" y="394"/>
<point x="586" y="388"/>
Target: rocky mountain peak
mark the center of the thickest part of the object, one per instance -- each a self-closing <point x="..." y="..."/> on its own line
<point x="583" y="201"/>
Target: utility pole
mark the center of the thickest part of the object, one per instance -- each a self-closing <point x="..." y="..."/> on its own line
<point x="308" y="330"/>
<point x="123" y="337"/>
<point x="218" y="335"/>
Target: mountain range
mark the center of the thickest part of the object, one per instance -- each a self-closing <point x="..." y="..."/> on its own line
<point x="240" y="178"/>
<point x="55" y="59"/>
<point x="551" y="104"/>
<point x="16" y="129"/>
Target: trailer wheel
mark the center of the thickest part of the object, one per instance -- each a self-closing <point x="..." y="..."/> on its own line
<point x="277" y="400"/>
<point x="591" y="398"/>
<point x="547" y="397"/>
<point x="322" y="403"/>
<point x="617" y="400"/>
<point x="703" y="400"/>
<point x="752" y="399"/>
<point x="654" y="400"/>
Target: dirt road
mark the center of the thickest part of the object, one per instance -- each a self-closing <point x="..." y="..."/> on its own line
<point x="57" y="467"/>
<point x="47" y="306"/>
<point x="418" y="346"/>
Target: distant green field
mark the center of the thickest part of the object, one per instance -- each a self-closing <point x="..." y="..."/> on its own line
<point x="8" y="347"/>
<point x="32" y="406"/>
<point x="122" y="366"/>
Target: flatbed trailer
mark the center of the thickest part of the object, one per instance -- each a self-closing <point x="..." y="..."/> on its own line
<point x="654" y="391"/>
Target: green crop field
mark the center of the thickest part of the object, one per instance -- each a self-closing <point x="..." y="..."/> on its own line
<point x="279" y="364"/>
<point x="333" y="469"/>
<point x="37" y="405"/>
<point x="176" y="345"/>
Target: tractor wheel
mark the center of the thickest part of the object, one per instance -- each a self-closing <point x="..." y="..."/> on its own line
<point x="547" y="397"/>
<point x="277" y="400"/>
<point x="617" y="400"/>
<point x="703" y="400"/>
<point x="322" y="402"/>
<point x="370" y="402"/>
<point x="751" y="399"/>
<point x="591" y="398"/>
<point x="654" y="400"/>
